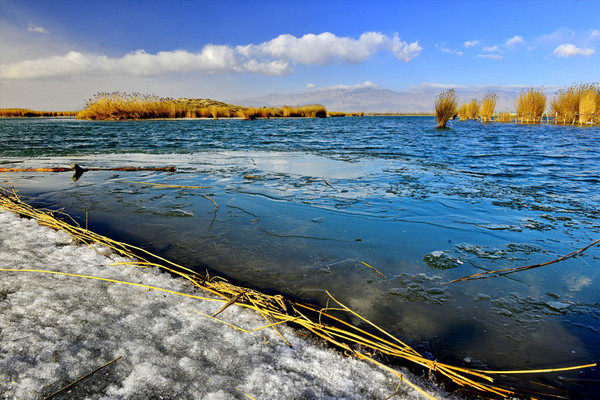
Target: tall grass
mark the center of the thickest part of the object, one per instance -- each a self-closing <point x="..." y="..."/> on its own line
<point x="308" y="111"/>
<point x="488" y="105"/>
<point x="531" y="104"/>
<point x="445" y="107"/>
<point x="27" y="113"/>
<point x="577" y="103"/>
<point x="588" y="104"/>
<point x="119" y="105"/>
<point x="462" y="112"/>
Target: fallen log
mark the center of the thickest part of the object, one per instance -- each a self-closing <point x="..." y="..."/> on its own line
<point x="79" y="170"/>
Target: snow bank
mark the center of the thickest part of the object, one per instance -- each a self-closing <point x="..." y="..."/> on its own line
<point x="55" y="329"/>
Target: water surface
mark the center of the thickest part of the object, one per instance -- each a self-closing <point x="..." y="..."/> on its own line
<point x="302" y="203"/>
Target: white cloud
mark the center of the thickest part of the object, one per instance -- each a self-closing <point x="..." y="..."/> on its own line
<point x="491" y="56"/>
<point x="490" y="49"/>
<point x="364" y="85"/>
<point x="310" y="86"/>
<point x="212" y="59"/>
<point x="327" y="48"/>
<point x="471" y="43"/>
<point x="570" y="50"/>
<point x="37" y="29"/>
<point x="450" y="51"/>
<point x="405" y="51"/>
<point x="274" y="57"/>
<point x="594" y="33"/>
<point x="515" y="40"/>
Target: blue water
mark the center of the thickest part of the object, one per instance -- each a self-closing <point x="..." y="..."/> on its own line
<point x="301" y="203"/>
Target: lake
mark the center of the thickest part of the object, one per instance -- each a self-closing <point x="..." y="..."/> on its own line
<point x="299" y="206"/>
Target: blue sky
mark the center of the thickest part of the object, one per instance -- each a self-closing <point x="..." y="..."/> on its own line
<point x="54" y="54"/>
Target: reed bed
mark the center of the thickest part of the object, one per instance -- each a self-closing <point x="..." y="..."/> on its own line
<point x="28" y="113"/>
<point x="327" y="323"/>
<point x="445" y="107"/>
<point x="121" y="106"/>
<point x="469" y="110"/>
<point x="576" y="104"/>
<point x="531" y="105"/>
<point x="488" y="105"/>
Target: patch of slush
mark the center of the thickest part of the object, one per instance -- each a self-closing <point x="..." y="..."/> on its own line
<point x="55" y="329"/>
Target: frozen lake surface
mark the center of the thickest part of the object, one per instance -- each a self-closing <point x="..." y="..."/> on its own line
<point x="303" y="203"/>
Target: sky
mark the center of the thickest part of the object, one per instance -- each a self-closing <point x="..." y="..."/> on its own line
<point x="55" y="54"/>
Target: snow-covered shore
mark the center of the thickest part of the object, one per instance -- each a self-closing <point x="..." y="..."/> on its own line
<point x="55" y="329"/>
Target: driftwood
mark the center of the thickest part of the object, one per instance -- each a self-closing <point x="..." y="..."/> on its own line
<point x="79" y="170"/>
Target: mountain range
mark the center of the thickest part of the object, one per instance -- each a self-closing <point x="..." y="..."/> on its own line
<point x="371" y="98"/>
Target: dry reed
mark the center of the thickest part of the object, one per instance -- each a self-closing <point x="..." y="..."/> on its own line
<point x="576" y="104"/>
<point x="27" y="113"/>
<point x="445" y="107"/>
<point x="120" y="106"/>
<point x="469" y="110"/>
<point x="531" y="104"/>
<point x="488" y="105"/>
<point x="322" y="322"/>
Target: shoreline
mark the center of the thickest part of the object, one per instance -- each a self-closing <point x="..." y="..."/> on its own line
<point x="75" y="325"/>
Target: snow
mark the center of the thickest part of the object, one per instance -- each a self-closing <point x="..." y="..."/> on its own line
<point x="55" y="329"/>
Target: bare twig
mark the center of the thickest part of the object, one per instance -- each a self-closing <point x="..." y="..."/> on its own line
<point x="80" y="379"/>
<point x="506" y="271"/>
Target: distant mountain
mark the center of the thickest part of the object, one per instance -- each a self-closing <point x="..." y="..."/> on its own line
<point x="376" y="99"/>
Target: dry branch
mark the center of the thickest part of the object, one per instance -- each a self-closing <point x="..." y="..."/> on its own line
<point x="506" y="271"/>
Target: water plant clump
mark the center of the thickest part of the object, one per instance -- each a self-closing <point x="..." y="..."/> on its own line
<point x="120" y="106"/>
<point x="469" y="110"/>
<point x="488" y="105"/>
<point x="445" y="107"/>
<point x="26" y="112"/>
<point x="531" y="104"/>
<point x="576" y="104"/>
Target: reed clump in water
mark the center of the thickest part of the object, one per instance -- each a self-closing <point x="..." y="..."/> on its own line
<point x="505" y="117"/>
<point x="445" y="107"/>
<point x="28" y="113"/>
<point x="576" y="104"/>
<point x="469" y="110"/>
<point x="308" y="111"/>
<point x="120" y="106"/>
<point x="531" y="104"/>
<point x="488" y="106"/>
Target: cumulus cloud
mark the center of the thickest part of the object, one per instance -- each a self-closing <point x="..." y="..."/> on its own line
<point x="212" y="59"/>
<point x="274" y="57"/>
<point x="490" y="48"/>
<point x="491" y="56"/>
<point x="310" y="86"/>
<point x="570" y="50"/>
<point x="37" y="29"/>
<point x="471" y="43"/>
<point x="405" y="51"/>
<point x="327" y="48"/>
<point x="515" y="40"/>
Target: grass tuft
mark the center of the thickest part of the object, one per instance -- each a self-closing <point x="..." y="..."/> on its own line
<point x="531" y="104"/>
<point x="445" y="107"/>
<point x="27" y="113"/>
<point x="576" y="104"/>
<point x="488" y="105"/>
